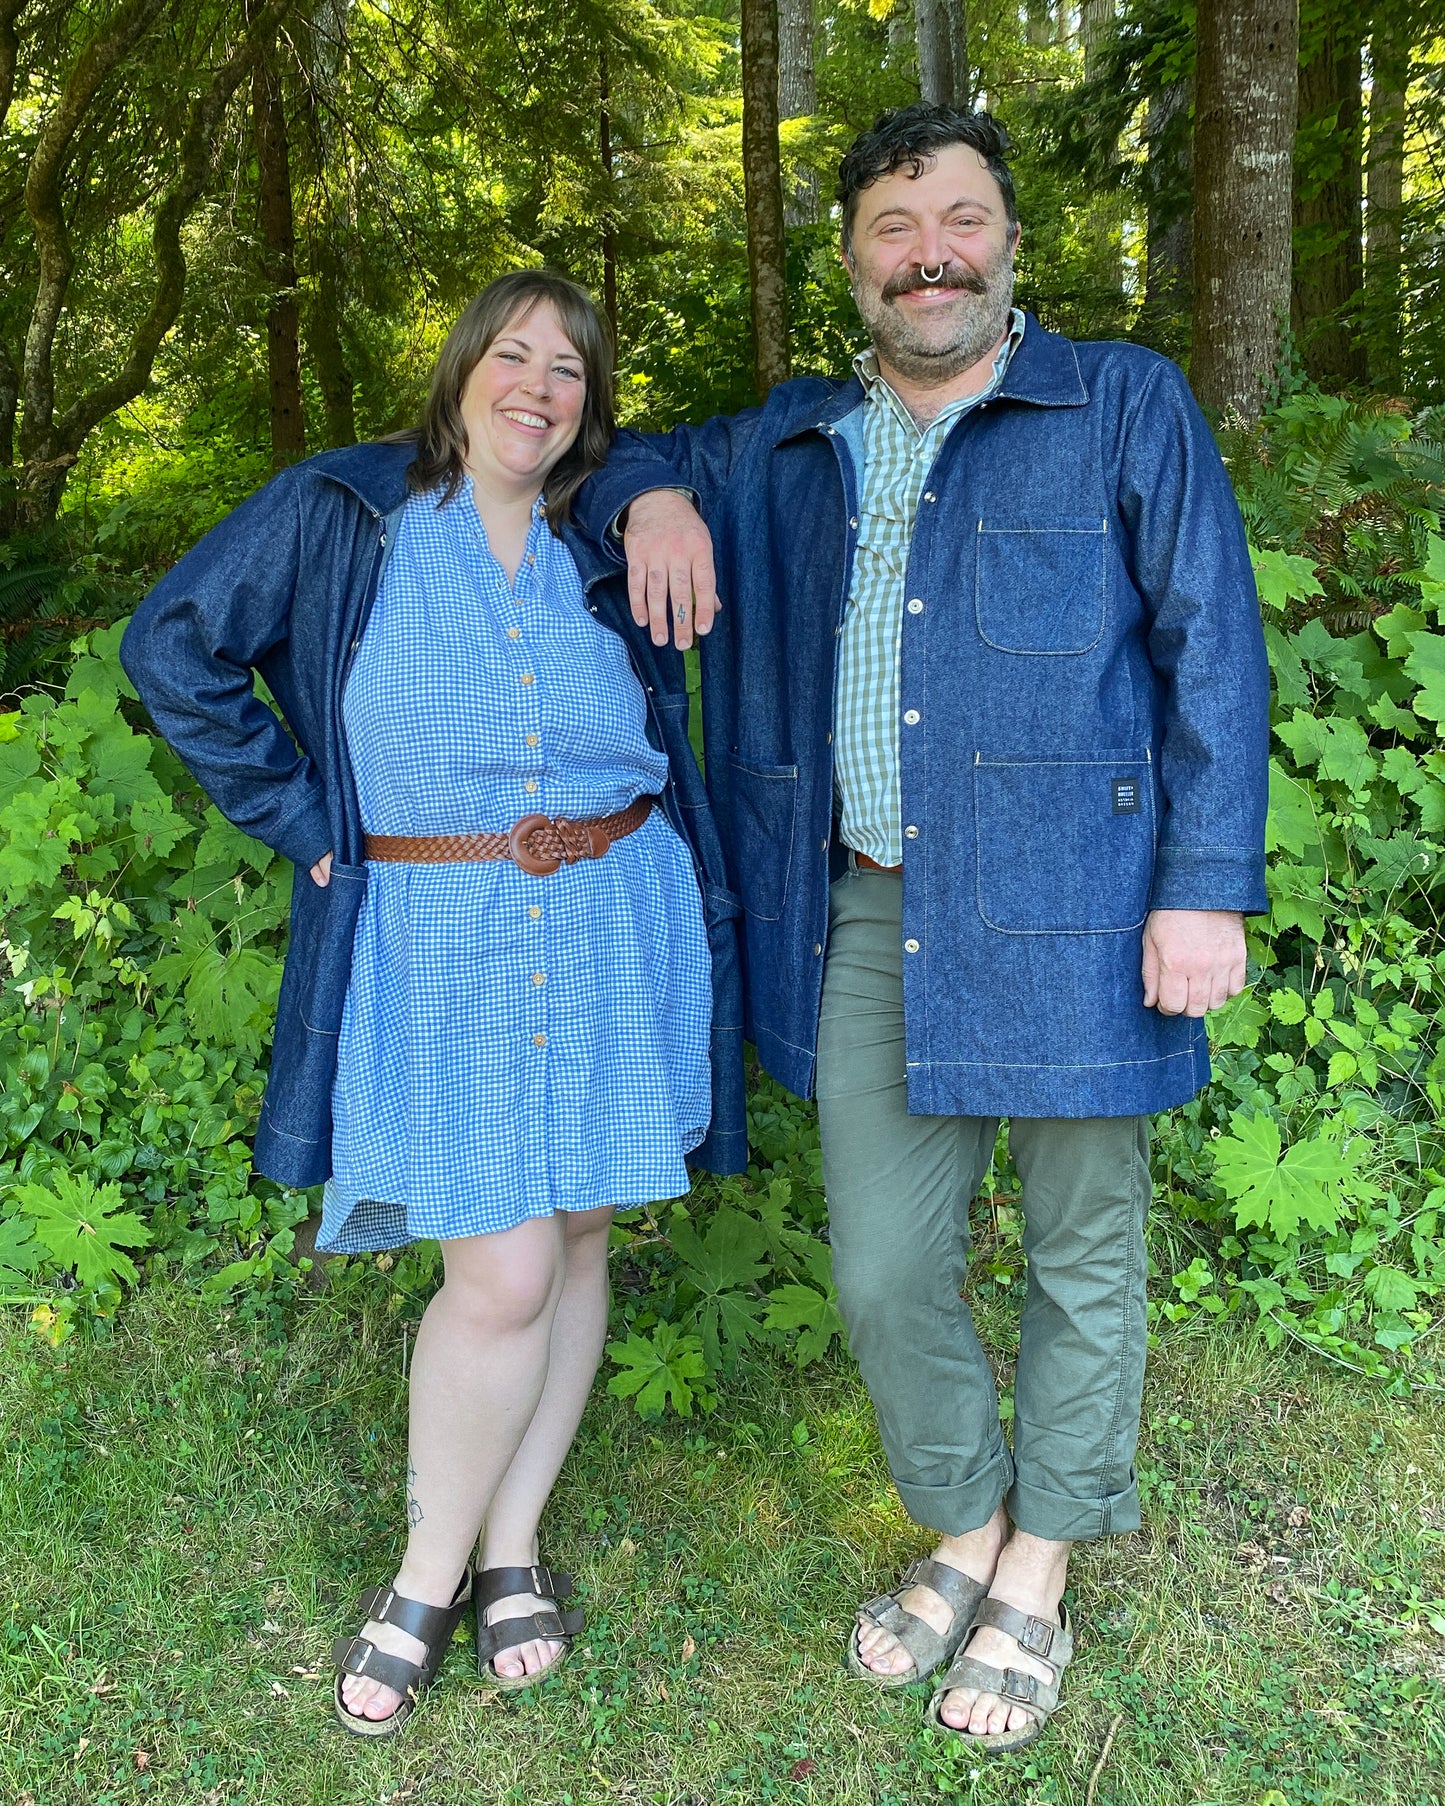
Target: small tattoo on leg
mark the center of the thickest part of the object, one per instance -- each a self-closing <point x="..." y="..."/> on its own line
<point x="414" y="1512"/>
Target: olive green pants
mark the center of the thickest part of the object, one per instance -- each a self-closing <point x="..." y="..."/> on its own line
<point x="899" y="1189"/>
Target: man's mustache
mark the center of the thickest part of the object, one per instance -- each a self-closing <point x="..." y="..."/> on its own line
<point x="955" y="275"/>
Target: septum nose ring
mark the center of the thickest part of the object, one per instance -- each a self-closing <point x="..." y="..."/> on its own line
<point x="931" y="275"/>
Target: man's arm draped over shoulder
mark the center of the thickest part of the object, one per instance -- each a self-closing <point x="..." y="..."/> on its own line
<point x="668" y="547"/>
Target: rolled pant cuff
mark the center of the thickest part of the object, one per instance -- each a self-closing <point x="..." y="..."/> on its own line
<point x="952" y="1510"/>
<point x="1064" y="1520"/>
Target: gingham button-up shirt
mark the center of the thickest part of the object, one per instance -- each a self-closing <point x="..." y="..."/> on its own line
<point x="897" y="456"/>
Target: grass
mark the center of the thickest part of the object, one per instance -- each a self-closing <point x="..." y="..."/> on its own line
<point x="190" y="1505"/>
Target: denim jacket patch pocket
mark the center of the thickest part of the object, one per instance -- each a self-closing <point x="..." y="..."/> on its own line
<point x="1065" y="841"/>
<point x="764" y="815"/>
<point x="1039" y="584"/>
<point x="323" y="930"/>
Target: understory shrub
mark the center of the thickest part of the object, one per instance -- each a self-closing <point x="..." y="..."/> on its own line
<point x="142" y="938"/>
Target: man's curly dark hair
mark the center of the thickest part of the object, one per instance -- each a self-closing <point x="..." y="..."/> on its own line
<point x="914" y="136"/>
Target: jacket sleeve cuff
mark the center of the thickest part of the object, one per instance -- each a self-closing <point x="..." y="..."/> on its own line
<point x="304" y="835"/>
<point x="1209" y="878"/>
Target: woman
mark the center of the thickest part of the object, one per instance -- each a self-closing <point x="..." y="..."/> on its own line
<point x="494" y="1023"/>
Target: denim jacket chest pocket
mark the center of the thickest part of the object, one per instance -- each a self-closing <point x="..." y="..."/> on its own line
<point x="1040" y="583"/>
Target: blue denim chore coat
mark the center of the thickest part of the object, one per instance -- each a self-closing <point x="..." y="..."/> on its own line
<point x="1084" y="728"/>
<point x="284" y="586"/>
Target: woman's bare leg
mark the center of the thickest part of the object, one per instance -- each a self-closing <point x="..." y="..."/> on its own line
<point x="477" y="1375"/>
<point x="579" y="1329"/>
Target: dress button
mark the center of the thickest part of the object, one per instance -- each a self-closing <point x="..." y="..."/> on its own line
<point x="531" y="739"/>
<point x="915" y="607"/>
<point x="534" y="910"/>
<point x="910" y="946"/>
<point x="910" y="717"/>
<point x="531" y="558"/>
<point x="539" y="978"/>
<point x="530" y="786"/>
<point x="514" y="633"/>
<point x="527" y="677"/>
<point x="910" y="832"/>
<point x="539" y="1040"/>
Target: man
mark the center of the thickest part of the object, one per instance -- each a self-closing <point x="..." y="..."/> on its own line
<point x="991" y="659"/>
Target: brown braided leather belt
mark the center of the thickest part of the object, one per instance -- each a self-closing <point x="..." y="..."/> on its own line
<point x="538" y="844"/>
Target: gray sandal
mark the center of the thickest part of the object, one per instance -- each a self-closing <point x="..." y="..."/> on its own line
<point x="1051" y="1644"/>
<point x="928" y="1648"/>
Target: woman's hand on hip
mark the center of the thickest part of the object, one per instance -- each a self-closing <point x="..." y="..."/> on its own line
<point x="321" y="871"/>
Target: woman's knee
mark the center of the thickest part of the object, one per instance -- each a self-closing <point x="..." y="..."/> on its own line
<point x="506" y="1282"/>
<point x="584" y="1234"/>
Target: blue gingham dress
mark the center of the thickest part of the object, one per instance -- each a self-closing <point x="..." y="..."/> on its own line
<point x="511" y="1045"/>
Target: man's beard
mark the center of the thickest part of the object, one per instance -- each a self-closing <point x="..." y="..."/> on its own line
<point x="914" y="348"/>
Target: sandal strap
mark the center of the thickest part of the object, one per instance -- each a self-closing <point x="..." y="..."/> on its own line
<point x="1052" y="1643"/>
<point x="355" y="1655"/>
<point x="540" y="1581"/>
<point x="925" y="1646"/>
<point x="512" y="1633"/>
<point x="429" y="1624"/>
<point x="1038" y="1698"/>
<point x="959" y="1591"/>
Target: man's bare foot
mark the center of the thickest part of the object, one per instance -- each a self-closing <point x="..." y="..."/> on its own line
<point x="975" y="1553"/>
<point x="1030" y="1576"/>
<point x="525" y="1658"/>
<point x="369" y="1699"/>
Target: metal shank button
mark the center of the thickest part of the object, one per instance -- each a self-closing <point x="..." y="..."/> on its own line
<point x="910" y="946"/>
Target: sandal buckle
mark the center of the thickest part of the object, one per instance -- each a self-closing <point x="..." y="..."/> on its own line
<point x="1019" y="1686"/>
<point x="349" y="1657"/>
<point x="1037" y="1637"/>
<point x="548" y="1624"/>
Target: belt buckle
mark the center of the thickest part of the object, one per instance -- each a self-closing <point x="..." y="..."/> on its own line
<point x="540" y="865"/>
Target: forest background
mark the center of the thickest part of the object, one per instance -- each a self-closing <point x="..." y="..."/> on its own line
<point x="234" y="234"/>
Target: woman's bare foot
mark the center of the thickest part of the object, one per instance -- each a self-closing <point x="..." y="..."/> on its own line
<point x="365" y="1698"/>
<point x="1030" y="1576"/>
<point x="525" y="1658"/>
<point x="975" y="1553"/>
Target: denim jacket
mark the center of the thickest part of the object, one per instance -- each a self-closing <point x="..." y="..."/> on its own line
<point x="1083" y="723"/>
<point x="283" y="586"/>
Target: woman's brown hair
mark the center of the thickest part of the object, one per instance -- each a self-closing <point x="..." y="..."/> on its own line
<point x="442" y="435"/>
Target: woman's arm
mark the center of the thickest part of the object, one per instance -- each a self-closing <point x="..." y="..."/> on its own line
<point x="191" y="650"/>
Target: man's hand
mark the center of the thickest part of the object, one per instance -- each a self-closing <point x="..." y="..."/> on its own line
<point x="321" y="871"/>
<point x="1193" y="960"/>
<point x="669" y="560"/>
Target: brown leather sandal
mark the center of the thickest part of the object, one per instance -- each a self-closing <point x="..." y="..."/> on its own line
<point x="928" y="1648"/>
<point x="493" y="1584"/>
<point x="432" y="1625"/>
<point x="1051" y="1643"/>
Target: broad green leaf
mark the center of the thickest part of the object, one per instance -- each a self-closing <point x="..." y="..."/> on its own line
<point x="812" y="1315"/>
<point x="657" y="1370"/>
<point x="84" y="1227"/>
<point x="1343" y="1067"/>
<point x="223" y="843"/>
<point x="1426" y="664"/>
<point x="1283" y="577"/>
<point x="1391" y="1290"/>
<point x="20" y="1252"/>
<point x="1292" y="822"/>
<point x="1308" y="1184"/>
<point x="1286" y="1005"/>
<point x="731" y="1254"/>
<point x="1398" y="629"/>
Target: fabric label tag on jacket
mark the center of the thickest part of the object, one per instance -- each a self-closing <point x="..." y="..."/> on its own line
<point x="1126" y="796"/>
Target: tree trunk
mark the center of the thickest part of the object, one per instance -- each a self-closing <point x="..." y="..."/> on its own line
<point x="763" y="194"/>
<point x="1169" y="258"/>
<point x="1328" y="196"/>
<point x="609" y="218"/>
<point x="324" y="343"/>
<point x="1246" y="90"/>
<point x="900" y="33"/>
<point x="1385" y="182"/>
<point x="798" y="99"/>
<point x="943" y="72"/>
<point x="278" y="255"/>
<point x="1096" y="26"/>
